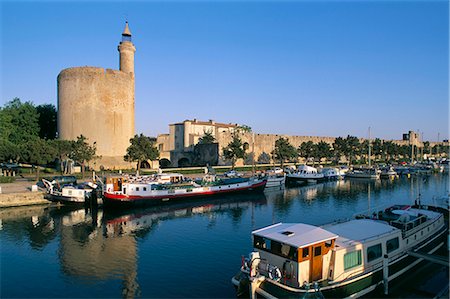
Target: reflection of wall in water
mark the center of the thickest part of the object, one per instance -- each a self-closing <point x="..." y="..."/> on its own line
<point x="86" y="252"/>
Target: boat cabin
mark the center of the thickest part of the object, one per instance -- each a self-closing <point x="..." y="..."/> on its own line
<point x="302" y="252"/>
<point x="305" y="169"/>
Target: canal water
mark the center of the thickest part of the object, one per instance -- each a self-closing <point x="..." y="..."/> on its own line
<point x="173" y="251"/>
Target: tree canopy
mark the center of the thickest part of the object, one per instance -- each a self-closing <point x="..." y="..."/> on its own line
<point x="142" y="148"/>
<point x="284" y="150"/>
<point x="234" y="150"/>
<point x="82" y="152"/>
<point x="207" y="138"/>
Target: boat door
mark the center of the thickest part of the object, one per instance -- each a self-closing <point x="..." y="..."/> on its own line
<point x="316" y="263"/>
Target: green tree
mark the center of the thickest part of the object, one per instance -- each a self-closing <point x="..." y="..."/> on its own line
<point x="5" y="125"/>
<point x="353" y="146"/>
<point x="284" y="150"/>
<point x="207" y="138"/>
<point x="38" y="152"/>
<point x="47" y="121"/>
<point x="364" y="150"/>
<point x="426" y="147"/>
<point x="23" y="118"/>
<point x="234" y="150"/>
<point x="9" y="151"/>
<point x="307" y="150"/>
<point x="323" y="150"/>
<point x="142" y="148"/>
<point x="63" y="149"/>
<point x="82" y="152"/>
<point x="377" y="148"/>
<point x="264" y="158"/>
<point x="244" y="129"/>
<point x="339" y="148"/>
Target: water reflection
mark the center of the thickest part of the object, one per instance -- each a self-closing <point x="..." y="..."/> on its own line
<point x="138" y="252"/>
<point x="97" y="245"/>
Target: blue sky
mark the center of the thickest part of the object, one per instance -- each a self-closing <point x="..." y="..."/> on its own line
<point x="325" y="68"/>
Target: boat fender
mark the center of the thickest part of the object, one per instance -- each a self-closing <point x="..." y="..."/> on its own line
<point x="274" y="273"/>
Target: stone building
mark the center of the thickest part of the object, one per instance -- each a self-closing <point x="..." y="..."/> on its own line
<point x="178" y="148"/>
<point x="99" y="104"/>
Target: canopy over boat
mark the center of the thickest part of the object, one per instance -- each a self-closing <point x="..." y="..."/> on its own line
<point x="295" y="234"/>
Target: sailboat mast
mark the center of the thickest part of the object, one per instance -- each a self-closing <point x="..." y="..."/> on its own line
<point x="369" y="147"/>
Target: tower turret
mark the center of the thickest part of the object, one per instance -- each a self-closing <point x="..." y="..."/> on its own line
<point x="126" y="50"/>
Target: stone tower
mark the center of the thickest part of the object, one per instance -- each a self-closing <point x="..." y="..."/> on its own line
<point x="126" y="50"/>
<point x="99" y="104"/>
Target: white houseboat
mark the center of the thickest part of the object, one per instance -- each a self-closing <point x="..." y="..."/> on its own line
<point x="135" y="190"/>
<point x="342" y="259"/>
<point x="305" y="174"/>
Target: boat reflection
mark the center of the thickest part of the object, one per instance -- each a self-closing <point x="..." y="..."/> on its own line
<point x="99" y="245"/>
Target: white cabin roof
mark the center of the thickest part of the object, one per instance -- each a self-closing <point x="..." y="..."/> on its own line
<point x="297" y="234"/>
<point x="359" y="230"/>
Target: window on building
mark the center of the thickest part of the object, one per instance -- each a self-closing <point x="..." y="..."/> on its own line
<point x="374" y="252"/>
<point x="352" y="259"/>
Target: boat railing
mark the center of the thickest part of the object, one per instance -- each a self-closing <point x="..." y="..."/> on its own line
<point x="411" y="226"/>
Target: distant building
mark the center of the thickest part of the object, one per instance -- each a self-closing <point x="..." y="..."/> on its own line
<point x="178" y="147"/>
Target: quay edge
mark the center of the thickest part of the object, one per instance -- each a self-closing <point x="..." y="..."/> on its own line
<point x="22" y="199"/>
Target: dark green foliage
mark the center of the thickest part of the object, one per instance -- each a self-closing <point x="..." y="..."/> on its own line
<point x="23" y="118"/>
<point x="9" y="151"/>
<point x="323" y="150"/>
<point x="284" y="151"/>
<point x="7" y="179"/>
<point x="63" y="149"/>
<point x="264" y="158"/>
<point x="234" y="150"/>
<point x="47" y="121"/>
<point x="353" y="146"/>
<point x="82" y="152"/>
<point x="142" y="148"/>
<point x="38" y="151"/>
<point x="307" y="150"/>
<point x="207" y="138"/>
<point x="339" y="148"/>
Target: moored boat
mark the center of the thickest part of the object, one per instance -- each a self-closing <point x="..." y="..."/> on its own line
<point x="127" y="190"/>
<point x="70" y="194"/>
<point x="304" y="174"/>
<point x="275" y="178"/>
<point x="330" y="173"/>
<point x="342" y="259"/>
<point x="371" y="174"/>
<point x="388" y="172"/>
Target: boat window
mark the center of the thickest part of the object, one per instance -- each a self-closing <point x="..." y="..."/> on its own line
<point x="275" y="247"/>
<point x="318" y="251"/>
<point x="137" y="188"/>
<point x="145" y="188"/>
<point x="352" y="259"/>
<point x="374" y="252"/>
<point x="305" y="252"/>
<point x="392" y="245"/>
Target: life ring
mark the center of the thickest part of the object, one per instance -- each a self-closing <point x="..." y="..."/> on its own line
<point x="274" y="273"/>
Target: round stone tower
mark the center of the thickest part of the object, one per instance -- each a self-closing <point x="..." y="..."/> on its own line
<point x="99" y="104"/>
